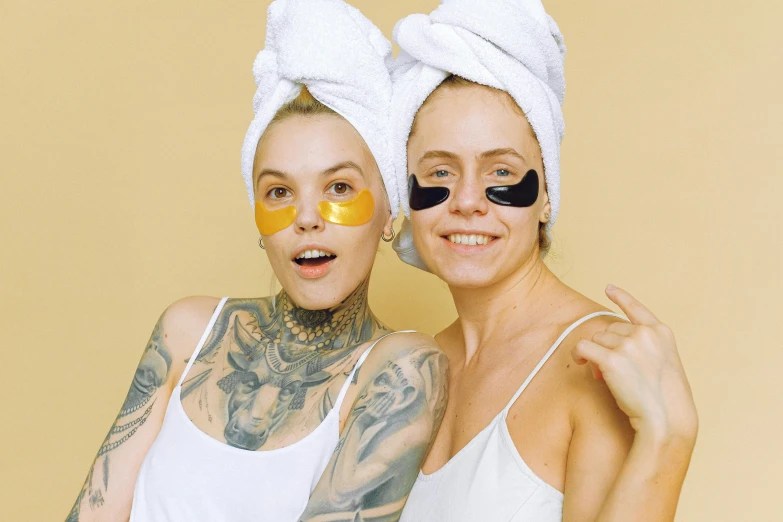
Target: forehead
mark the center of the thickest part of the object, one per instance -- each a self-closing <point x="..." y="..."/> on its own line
<point x="302" y="145"/>
<point x="471" y="119"/>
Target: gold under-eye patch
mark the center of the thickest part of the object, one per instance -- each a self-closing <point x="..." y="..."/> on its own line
<point x="353" y="213"/>
<point x="272" y="221"/>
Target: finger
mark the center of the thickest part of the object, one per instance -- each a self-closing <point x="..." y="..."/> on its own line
<point x="623" y="328"/>
<point x="609" y="339"/>
<point x="633" y="309"/>
<point x="588" y="351"/>
<point x="581" y="354"/>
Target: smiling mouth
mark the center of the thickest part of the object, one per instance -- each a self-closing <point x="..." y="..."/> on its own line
<point x="469" y="239"/>
<point x="314" y="258"/>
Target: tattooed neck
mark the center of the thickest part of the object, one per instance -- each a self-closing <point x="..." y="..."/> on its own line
<point x="280" y="320"/>
<point x="350" y="323"/>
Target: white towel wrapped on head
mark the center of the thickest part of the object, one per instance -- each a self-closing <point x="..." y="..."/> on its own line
<point x="343" y="60"/>
<point x="511" y="45"/>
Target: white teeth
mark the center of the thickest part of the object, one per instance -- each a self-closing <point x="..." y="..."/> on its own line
<point x="469" y="239"/>
<point x="310" y="254"/>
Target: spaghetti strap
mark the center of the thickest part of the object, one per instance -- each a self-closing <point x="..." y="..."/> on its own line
<point x="552" y="350"/>
<point x="203" y="340"/>
<point x="358" y="365"/>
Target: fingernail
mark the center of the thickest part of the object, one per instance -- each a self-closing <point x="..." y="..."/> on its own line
<point x="610" y="288"/>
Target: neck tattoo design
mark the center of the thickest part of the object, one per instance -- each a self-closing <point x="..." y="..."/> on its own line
<point x="283" y="346"/>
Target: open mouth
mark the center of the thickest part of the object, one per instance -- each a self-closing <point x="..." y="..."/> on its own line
<point x="310" y="258"/>
<point x="469" y="239"/>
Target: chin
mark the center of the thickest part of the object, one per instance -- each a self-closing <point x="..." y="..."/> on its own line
<point x="461" y="279"/>
<point x="319" y="294"/>
<point x="464" y="275"/>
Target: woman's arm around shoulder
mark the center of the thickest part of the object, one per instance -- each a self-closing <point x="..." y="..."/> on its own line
<point x="107" y="492"/>
<point x="401" y="395"/>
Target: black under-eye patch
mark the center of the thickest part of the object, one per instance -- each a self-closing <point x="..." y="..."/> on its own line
<point x="523" y="194"/>
<point x="421" y="198"/>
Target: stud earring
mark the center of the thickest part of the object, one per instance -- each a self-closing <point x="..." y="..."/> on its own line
<point x="261" y="243"/>
<point x="383" y="236"/>
<point x="546" y="216"/>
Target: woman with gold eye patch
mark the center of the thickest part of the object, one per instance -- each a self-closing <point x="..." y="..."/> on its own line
<point x="254" y="409"/>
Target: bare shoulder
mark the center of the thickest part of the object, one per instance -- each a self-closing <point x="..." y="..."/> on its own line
<point x="183" y="323"/>
<point x="405" y="340"/>
<point x="581" y="375"/>
<point x="589" y="328"/>
<point x="407" y="346"/>
<point x="594" y="409"/>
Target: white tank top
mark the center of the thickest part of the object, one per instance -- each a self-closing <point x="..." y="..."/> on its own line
<point x="487" y="480"/>
<point x="188" y="476"/>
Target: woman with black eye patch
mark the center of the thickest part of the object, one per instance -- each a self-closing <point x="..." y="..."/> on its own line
<point x="601" y="429"/>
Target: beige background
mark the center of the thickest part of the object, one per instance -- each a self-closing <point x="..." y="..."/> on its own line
<point x="119" y="155"/>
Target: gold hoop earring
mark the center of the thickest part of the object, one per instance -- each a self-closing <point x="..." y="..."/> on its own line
<point x="387" y="239"/>
<point x="261" y="243"/>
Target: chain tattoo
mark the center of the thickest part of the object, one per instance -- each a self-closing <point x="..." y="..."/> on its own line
<point x="152" y="372"/>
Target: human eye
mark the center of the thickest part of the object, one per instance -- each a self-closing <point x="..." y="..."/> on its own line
<point x="340" y="188"/>
<point x="441" y="174"/>
<point x="278" y="193"/>
<point x="503" y="173"/>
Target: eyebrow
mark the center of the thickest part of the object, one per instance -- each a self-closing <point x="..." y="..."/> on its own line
<point x="501" y="152"/>
<point x="331" y="170"/>
<point x="343" y="165"/>
<point x="438" y="154"/>
<point x="271" y="172"/>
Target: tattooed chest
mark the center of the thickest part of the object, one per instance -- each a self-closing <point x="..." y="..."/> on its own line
<point x="257" y="392"/>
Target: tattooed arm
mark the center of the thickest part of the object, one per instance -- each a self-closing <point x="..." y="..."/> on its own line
<point x="107" y="493"/>
<point x="397" y="411"/>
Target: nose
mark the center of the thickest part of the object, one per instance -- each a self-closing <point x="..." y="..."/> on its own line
<point x="308" y="219"/>
<point x="468" y="196"/>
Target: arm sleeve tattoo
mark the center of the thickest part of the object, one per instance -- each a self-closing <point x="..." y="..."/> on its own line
<point x="385" y="439"/>
<point x="151" y="374"/>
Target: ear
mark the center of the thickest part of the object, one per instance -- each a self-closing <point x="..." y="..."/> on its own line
<point x="546" y="209"/>
<point x="388" y="226"/>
